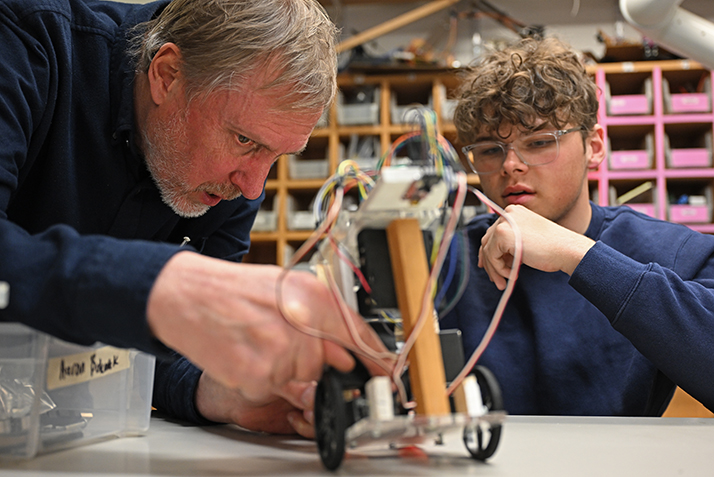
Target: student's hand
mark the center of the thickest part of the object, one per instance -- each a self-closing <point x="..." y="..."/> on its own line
<point x="275" y="415"/>
<point x="547" y="246"/>
<point x="224" y="317"/>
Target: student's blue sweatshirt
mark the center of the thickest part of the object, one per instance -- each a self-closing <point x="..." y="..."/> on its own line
<point x="635" y="319"/>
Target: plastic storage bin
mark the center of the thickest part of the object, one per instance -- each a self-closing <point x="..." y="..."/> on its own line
<point x="690" y="156"/>
<point x="405" y="113"/>
<point x="266" y="220"/>
<point x="299" y="219"/>
<point x="694" y="211"/>
<point x="642" y="198"/>
<point x="301" y="168"/>
<point x="324" y="120"/>
<point x="647" y="209"/>
<point x="361" y="112"/>
<point x="55" y="395"/>
<point x="448" y="106"/>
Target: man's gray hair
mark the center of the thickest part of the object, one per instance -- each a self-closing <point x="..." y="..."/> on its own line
<point x="223" y="42"/>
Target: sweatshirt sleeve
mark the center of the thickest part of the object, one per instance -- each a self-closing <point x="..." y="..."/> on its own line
<point x="176" y="380"/>
<point x="80" y="288"/>
<point x="668" y="314"/>
<point x="175" y="385"/>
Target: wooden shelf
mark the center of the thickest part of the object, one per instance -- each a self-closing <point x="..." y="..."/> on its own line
<point x="275" y="244"/>
<point x="644" y="66"/>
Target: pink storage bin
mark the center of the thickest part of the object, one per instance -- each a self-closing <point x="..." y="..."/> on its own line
<point x="645" y="199"/>
<point x="678" y="103"/>
<point x="695" y="157"/>
<point x="700" y="155"/>
<point x="647" y="209"/>
<point x="689" y="214"/>
<point x="629" y="160"/>
<point x="629" y="104"/>
<point x="636" y="156"/>
<point x="690" y="103"/>
<point x="623" y="104"/>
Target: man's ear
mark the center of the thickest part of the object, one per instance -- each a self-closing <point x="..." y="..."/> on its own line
<point x="164" y="73"/>
<point x="595" y="147"/>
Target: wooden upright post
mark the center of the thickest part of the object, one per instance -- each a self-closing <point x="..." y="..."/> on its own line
<point x="411" y="274"/>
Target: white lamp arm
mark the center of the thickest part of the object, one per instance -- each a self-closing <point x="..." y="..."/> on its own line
<point x="673" y="27"/>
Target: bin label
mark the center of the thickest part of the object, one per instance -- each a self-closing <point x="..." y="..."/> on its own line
<point x="78" y="368"/>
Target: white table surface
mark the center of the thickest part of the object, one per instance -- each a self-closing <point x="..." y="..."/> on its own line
<point x="530" y="446"/>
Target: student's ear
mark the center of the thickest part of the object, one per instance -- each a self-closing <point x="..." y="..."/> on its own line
<point x="164" y="73"/>
<point x="595" y="147"/>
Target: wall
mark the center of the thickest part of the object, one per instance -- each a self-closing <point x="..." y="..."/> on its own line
<point x="578" y="26"/>
<point x="575" y="21"/>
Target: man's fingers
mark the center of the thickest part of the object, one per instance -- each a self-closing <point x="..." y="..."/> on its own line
<point x="301" y="425"/>
<point x="338" y="357"/>
<point x="300" y="394"/>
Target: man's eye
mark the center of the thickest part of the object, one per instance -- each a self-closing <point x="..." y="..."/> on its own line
<point x="243" y="140"/>
<point x="540" y="142"/>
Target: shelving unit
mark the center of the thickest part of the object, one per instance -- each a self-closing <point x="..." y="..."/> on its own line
<point x="687" y="133"/>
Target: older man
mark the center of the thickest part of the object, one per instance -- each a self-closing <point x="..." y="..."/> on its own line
<point x="125" y="129"/>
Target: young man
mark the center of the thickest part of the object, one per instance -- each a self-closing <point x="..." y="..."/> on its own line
<point x="126" y="128"/>
<point x="611" y="308"/>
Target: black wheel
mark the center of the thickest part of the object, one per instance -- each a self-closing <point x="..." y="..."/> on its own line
<point x="483" y="439"/>
<point x="330" y="420"/>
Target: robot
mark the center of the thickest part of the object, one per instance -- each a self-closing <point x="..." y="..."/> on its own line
<point x="382" y="258"/>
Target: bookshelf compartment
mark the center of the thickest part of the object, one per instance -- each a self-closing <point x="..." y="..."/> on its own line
<point x="686" y="91"/>
<point x="629" y="94"/>
<point x="688" y="145"/>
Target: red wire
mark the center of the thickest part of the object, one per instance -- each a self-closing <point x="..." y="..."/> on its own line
<point x="355" y="269"/>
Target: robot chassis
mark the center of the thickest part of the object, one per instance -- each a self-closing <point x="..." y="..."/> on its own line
<point x="354" y="409"/>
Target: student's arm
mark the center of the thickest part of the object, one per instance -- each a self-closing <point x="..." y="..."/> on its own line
<point x="668" y="314"/>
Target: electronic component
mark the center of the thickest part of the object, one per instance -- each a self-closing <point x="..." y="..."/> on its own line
<point x="376" y="266"/>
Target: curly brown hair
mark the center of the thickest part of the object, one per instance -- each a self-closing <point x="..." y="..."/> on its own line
<point x="523" y="84"/>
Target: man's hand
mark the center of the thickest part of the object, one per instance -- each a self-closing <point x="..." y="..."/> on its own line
<point x="224" y="317"/>
<point x="276" y="415"/>
<point x="546" y="245"/>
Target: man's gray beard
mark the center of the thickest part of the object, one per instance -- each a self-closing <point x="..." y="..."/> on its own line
<point x="166" y="172"/>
